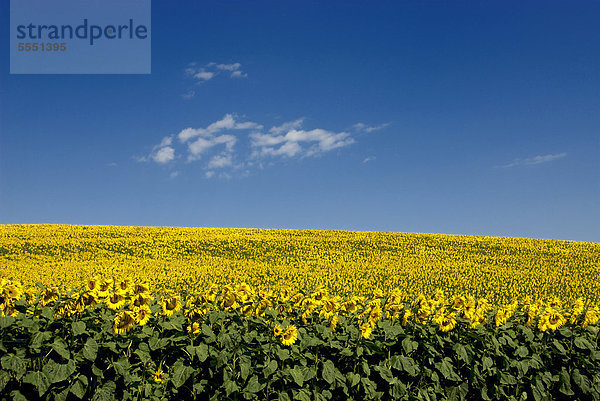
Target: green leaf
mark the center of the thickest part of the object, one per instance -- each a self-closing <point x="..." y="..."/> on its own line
<point x="487" y="362"/>
<point x="461" y="351"/>
<point x="303" y="395"/>
<point x="60" y="347"/>
<point x="297" y="376"/>
<point x="353" y="378"/>
<point x="17" y="396"/>
<point x="385" y="373"/>
<point x="409" y="345"/>
<point x="180" y="375"/>
<point x="565" y="383"/>
<point x="106" y="392"/>
<point x="78" y="388"/>
<point x="253" y="386"/>
<point x="78" y="327"/>
<point x="202" y="352"/>
<point x="522" y="351"/>
<point x="244" y="369"/>
<point x="57" y="372"/>
<point x="559" y="347"/>
<point x="90" y="349"/>
<point x="329" y="371"/>
<point x="283" y="354"/>
<point x="230" y="387"/>
<point x="581" y="381"/>
<point x="15" y="364"/>
<point x="283" y="396"/>
<point x="270" y="368"/>
<point x="447" y="370"/>
<point x="4" y="379"/>
<point x="207" y="331"/>
<point x="39" y="380"/>
<point x="6" y="321"/>
<point x="39" y="338"/>
<point x="582" y="343"/>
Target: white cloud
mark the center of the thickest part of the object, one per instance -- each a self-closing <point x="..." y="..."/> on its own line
<point x="535" y="160"/>
<point x="216" y="145"/>
<point x="204" y="75"/>
<point x="226" y="123"/>
<point x="368" y="159"/>
<point x="296" y="141"/>
<point x="228" y="67"/>
<point x="220" y="161"/>
<point x="163" y="155"/>
<point x="174" y="174"/>
<point x="212" y="69"/>
<point x="189" y="94"/>
<point x="285" y="127"/>
<point x="361" y="127"/>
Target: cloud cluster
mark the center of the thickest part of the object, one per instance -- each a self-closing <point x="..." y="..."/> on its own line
<point x="234" y="145"/>
<point x="362" y="127"/>
<point x="534" y="160"/>
<point x="201" y="74"/>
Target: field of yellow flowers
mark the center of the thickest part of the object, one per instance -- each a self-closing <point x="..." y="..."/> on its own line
<point x="106" y="313"/>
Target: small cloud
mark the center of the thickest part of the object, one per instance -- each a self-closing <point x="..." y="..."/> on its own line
<point x="163" y="155"/>
<point x="174" y="174"/>
<point x="204" y="75"/>
<point x="534" y="160"/>
<point x="209" y="174"/>
<point x="212" y="69"/>
<point x="113" y="164"/>
<point x="220" y="161"/>
<point x="361" y="127"/>
<point x="228" y="67"/>
<point x="368" y="159"/>
<point x="189" y="94"/>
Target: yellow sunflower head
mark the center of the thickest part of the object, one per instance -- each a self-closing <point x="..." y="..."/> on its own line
<point x="124" y="320"/>
<point x="290" y="335"/>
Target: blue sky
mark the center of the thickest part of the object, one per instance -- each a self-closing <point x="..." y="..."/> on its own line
<point x="473" y="118"/>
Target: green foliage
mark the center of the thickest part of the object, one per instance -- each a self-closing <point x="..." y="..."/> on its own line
<point x="239" y="358"/>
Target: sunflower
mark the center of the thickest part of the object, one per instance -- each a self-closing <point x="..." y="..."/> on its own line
<point x="141" y="299"/>
<point x="365" y="330"/>
<point x="170" y="306"/>
<point x="333" y="323"/>
<point x="502" y="316"/>
<point x="445" y="321"/>
<point x="124" y="286"/>
<point x="124" y="321"/>
<point x="92" y="284"/>
<point x="141" y="288"/>
<point x="104" y="287"/>
<point x="290" y="335"/>
<point x="115" y="301"/>
<point x="13" y="291"/>
<point x="407" y="315"/>
<point x="194" y="328"/>
<point x="228" y="300"/>
<point x="142" y="314"/>
<point x="48" y="295"/>
<point x="277" y="330"/>
<point x="591" y="317"/>
<point x="159" y="376"/>
<point x="551" y="319"/>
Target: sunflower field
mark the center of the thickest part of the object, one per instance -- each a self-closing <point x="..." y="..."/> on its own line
<point x="140" y="313"/>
